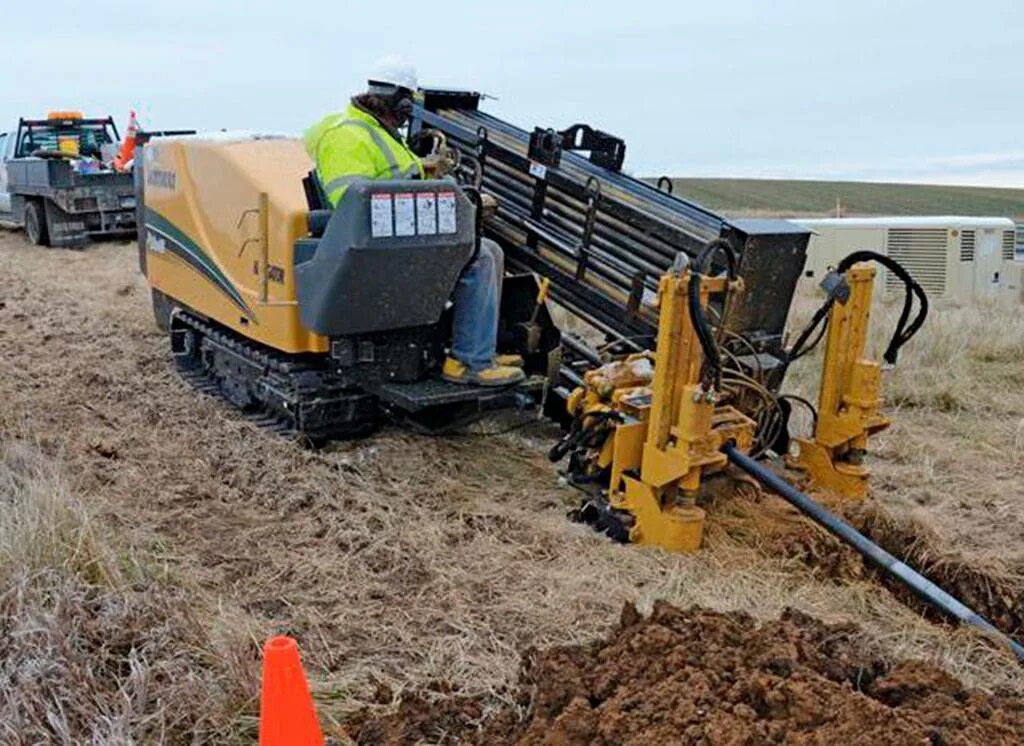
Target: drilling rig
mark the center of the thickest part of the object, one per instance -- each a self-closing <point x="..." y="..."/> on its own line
<point x="327" y="322"/>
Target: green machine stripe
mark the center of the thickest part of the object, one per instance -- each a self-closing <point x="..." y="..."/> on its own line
<point x="188" y="250"/>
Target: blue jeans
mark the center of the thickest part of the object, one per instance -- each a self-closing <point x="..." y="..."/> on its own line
<point x="477" y="298"/>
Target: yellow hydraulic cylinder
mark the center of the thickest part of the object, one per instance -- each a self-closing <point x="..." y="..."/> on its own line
<point x="850" y="399"/>
<point x="681" y="441"/>
<point x="668" y="430"/>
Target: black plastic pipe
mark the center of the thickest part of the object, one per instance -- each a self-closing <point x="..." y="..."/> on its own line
<point x="923" y="587"/>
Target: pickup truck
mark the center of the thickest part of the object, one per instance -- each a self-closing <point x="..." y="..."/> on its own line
<point x="55" y="180"/>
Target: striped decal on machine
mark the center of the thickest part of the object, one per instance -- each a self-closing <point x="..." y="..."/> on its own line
<point x="163" y="236"/>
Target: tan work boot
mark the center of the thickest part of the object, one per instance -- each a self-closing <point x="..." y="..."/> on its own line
<point x="497" y="375"/>
<point x="509" y="361"/>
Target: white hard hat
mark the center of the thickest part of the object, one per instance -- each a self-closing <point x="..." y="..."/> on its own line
<point x="394" y="72"/>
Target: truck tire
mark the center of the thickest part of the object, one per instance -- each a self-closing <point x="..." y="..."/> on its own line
<point x="36" y="226"/>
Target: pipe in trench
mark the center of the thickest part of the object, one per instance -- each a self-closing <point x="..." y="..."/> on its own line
<point x="923" y="587"/>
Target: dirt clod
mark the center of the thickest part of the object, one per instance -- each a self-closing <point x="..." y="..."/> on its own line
<point x="104" y="449"/>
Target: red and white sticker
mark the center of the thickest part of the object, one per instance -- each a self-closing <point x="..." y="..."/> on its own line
<point x="426" y="213"/>
<point x="405" y="214"/>
<point x="446" y="220"/>
<point x="381" y="223"/>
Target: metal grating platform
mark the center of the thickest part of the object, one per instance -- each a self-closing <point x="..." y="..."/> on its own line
<point x="433" y="392"/>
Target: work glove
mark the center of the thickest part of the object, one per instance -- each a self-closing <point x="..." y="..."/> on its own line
<point x="437" y="165"/>
<point x="488" y="205"/>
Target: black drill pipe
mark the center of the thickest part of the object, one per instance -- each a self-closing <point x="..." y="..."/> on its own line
<point x="620" y="236"/>
<point x="680" y="222"/>
<point x="604" y="310"/>
<point x="626" y="183"/>
<point x="601" y="247"/>
<point x="644" y="197"/>
<point x="629" y="254"/>
<point x="582" y="349"/>
<point x="653" y="248"/>
<point x="923" y="587"/>
<point x="677" y="225"/>
<point x="609" y="269"/>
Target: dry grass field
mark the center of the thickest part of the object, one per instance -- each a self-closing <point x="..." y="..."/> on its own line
<point x="805" y="197"/>
<point x="151" y="539"/>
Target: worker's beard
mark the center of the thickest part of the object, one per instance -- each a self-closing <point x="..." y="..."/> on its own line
<point x="393" y="112"/>
<point x="401" y="111"/>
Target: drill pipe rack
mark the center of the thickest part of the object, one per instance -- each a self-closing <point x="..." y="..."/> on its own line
<point x="604" y="238"/>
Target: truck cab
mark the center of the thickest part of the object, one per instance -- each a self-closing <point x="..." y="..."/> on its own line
<point x="7" y="140"/>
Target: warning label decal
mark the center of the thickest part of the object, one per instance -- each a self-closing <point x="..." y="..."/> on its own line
<point x="426" y="213"/>
<point x="446" y="219"/>
<point x="380" y="216"/>
<point x="405" y="215"/>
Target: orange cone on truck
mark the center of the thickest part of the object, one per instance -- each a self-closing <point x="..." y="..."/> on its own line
<point x="127" y="152"/>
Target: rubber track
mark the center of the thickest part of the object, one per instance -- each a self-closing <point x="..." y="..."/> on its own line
<point x="271" y="362"/>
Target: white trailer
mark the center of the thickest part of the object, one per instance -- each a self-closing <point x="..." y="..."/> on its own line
<point x="960" y="259"/>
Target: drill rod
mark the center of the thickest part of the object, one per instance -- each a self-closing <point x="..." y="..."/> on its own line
<point x="923" y="587"/>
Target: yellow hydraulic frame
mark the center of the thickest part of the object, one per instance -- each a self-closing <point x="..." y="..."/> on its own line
<point x="671" y="431"/>
<point x="850" y="396"/>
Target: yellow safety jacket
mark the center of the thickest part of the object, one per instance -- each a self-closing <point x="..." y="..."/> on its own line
<point x="353" y="145"/>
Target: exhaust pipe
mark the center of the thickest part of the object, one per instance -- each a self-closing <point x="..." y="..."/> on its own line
<point x="923" y="587"/>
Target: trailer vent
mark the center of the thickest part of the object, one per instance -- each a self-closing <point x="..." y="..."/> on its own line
<point x="923" y="252"/>
<point x="1009" y="239"/>
<point x="967" y="246"/>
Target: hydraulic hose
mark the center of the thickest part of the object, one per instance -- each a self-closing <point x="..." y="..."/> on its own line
<point x="701" y="265"/>
<point x="904" y="330"/>
<point x="923" y="587"/>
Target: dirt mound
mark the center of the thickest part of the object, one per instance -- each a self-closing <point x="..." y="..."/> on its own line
<point x="697" y="676"/>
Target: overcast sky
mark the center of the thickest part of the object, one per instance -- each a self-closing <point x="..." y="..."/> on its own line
<point x="900" y="90"/>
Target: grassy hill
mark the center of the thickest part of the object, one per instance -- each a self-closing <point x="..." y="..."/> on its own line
<point x="792" y="198"/>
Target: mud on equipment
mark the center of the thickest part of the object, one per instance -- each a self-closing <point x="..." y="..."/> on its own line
<point x="648" y="428"/>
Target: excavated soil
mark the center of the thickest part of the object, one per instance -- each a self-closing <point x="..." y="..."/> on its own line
<point x="700" y="677"/>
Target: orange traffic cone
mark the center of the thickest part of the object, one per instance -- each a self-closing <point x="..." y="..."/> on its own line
<point x="127" y="152"/>
<point x="287" y="713"/>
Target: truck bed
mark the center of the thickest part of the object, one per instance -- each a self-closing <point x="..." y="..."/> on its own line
<point x="42" y="175"/>
<point x="77" y="205"/>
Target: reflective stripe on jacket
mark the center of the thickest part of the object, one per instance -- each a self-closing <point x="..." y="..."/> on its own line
<point x="352" y="146"/>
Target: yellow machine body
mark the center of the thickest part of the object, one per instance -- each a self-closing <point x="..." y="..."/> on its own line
<point x="221" y="219"/>
<point x="850" y="398"/>
<point x="669" y="429"/>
